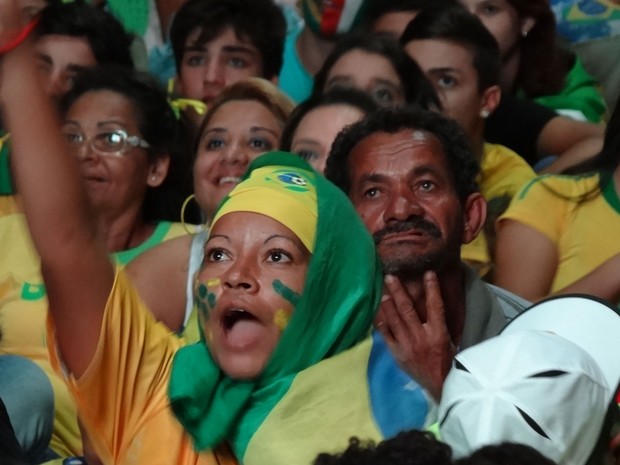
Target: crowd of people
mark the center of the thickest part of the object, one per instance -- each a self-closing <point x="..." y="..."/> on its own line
<point x="312" y="232"/>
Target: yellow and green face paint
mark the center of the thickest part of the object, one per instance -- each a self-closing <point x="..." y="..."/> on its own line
<point x="286" y="292"/>
<point x="281" y="319"/>
<point x="204" y="298"/>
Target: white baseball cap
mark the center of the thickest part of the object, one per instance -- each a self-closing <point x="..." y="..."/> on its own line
<point x="546" y="381"/>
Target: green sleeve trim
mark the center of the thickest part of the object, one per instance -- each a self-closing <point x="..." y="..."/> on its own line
<point x="608" y="188"/>
<point x="125" y="256"/>
<point x="521" y="195"/>
<point x="6" y="184"/>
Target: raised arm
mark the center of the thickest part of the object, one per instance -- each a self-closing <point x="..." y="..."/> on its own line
<point x="572" y="141"/>
<point x="75" y="266"/>
<point x="527" y="261"/>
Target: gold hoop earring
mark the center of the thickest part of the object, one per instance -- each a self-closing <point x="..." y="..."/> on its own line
<point x="196" y="228"/>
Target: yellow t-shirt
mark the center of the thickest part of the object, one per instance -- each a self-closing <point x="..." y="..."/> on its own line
<point x="23" y="310"/>
<point x="585" y="233"/>
<point x="122" y="396"/>
<point x="502" y="174"/>
<point x="333" y="395"/>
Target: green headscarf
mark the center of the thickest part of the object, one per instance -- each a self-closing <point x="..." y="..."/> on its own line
<point x="335" y="311"/>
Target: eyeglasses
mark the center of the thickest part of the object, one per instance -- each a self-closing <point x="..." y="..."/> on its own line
<point x="107" y="142"/>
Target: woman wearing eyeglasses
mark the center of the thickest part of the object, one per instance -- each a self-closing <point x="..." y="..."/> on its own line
<point x="125" y="138"/>
<point x="127" y="141"/>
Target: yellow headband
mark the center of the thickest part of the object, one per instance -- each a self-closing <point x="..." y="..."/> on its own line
<point x="283" y="193"/>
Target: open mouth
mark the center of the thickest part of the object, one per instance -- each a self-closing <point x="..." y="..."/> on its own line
<point x="240" y="327"/>
<point x="234" y="316"/>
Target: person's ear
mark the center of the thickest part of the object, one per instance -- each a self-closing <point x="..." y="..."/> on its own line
<point x="158" y="171"/>
<point x="275" y="80"/>
<point x="490" y="100"/>
<point x="474" y="215"/>
<point x="527" y="24"/>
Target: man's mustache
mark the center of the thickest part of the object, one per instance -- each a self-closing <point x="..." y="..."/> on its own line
<point x="412" y="223"/>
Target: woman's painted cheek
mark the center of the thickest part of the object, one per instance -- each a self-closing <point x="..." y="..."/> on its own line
<point x="204" y="296"/>
<point x="286" y="292"/>
<point x="281" y="318"/>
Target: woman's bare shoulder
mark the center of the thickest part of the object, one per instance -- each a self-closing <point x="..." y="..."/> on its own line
<point x="160" y="276"/>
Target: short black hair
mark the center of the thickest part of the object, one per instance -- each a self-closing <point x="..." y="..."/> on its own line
<point x="407" y="448"/>
<point x="261" y="22"/>
<point x="456" y="24"/>
<point x="105" y="35"/>
<point x="455" y="143"/>
<point x="337" y="96"/>
<point x="378" y="8"/>
<point x="158" y="125"/>
<point x="416" y="87"/>
<point x="507" y="453"/>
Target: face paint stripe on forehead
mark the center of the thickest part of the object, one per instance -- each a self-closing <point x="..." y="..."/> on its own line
<point x="332" y="12"/>
<point x="330" y="18"/>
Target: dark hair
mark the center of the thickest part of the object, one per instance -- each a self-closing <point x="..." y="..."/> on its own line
<point x="457" y="25"/>
<point x="104" y="33"/>
<point x="543" y="66"/>
<point x="259" y="21"/>
<point x="337" y="96"/>
<point x="158" y="126"/>
<point x="507" y="453"/>
<point x="416" y="87"/>
<point x="455" y="144"/>
<point x="378" y="8"/>
<point x="407" y="448"/>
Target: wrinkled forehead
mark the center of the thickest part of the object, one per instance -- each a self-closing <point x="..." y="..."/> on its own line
<point x="405" y="142"/>
<point x="398" y="156"/>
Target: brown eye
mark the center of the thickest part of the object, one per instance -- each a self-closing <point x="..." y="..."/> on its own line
<point x="279" y="256"/>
